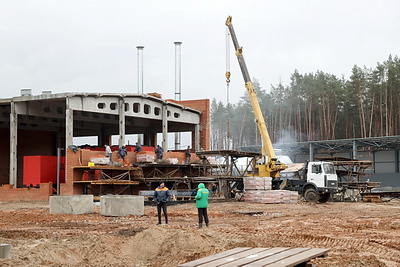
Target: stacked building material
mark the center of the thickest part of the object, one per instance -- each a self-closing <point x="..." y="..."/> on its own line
<point x="171" y="161"/>
<point x="257" y="183"/>
<point x="149" y="158"/>
<point x="258" y="189"/>
<point x="100" y="160"/>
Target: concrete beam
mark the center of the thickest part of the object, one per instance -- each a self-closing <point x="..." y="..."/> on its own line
<point x="137" y="106"/>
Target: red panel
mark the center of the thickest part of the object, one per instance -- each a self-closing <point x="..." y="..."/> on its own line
<point x="42" y="169"/>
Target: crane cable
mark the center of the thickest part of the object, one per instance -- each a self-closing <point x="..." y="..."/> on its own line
<point x="228" y="76"/>
<point x="228" y="63"/>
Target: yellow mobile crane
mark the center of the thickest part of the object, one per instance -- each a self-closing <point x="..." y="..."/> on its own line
<point x="317" y="181"/>
<point x="272" y="167"/>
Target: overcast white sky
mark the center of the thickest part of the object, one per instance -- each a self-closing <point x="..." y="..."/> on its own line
<point x="90" y="46"/>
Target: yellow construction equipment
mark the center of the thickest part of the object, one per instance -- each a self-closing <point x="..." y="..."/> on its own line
<point x="272" y="166"/>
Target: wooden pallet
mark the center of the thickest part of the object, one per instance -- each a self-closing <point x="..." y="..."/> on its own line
<point x="372" y="198"/>
<point x="245" y="256"/>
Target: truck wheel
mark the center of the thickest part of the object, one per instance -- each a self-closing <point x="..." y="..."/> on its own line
<point x="323" y="198"/>
<point x="311" y="195"/>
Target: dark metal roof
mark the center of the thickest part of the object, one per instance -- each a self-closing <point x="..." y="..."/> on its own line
<point x="232" y="153"/>
<point x="328" y="146"/>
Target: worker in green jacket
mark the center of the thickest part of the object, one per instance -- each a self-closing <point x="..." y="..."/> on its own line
<point x="202" y="204"/>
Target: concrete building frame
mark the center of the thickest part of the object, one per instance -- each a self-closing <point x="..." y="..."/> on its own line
<point x="70" y="115"/>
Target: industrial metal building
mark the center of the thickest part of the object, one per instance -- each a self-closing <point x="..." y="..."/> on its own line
<point x="45" y="124"/>
<point x="383" y="152"/>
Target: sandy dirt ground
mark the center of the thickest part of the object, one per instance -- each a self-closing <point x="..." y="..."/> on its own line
<point x="357" y="234"/>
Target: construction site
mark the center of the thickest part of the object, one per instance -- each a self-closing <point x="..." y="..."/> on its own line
<point x="324" y="203"/>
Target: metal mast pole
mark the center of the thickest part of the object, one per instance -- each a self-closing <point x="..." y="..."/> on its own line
<point x="178" y="85"/>
<point x="228" y="75"/>
<point x="140" y="79"/>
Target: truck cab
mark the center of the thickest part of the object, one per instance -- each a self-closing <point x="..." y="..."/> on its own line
<point x="315" y="181"/>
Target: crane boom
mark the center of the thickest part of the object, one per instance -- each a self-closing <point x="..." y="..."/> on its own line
<point x="272" y="167"/>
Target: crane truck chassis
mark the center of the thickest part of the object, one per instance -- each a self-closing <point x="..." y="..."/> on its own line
<point x="316" y="182"/>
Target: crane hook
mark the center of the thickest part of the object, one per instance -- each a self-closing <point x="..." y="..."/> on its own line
<point x="228" y="76"/>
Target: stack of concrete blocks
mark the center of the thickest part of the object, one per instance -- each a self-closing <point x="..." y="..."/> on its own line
<point x="5" y="251"/>
<point x="259" y="190"/>
<point x="76" y="204"/>
<point x="145" y="158"/>
<point x="172" y="161"/>
<point x="100" y="161"/>
<point x="121" y="205"/>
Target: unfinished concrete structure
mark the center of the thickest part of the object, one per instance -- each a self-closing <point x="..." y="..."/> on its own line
<point x="44" y="124"/>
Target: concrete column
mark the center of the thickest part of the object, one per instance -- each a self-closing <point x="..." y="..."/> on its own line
<point x="354" y="149"/>
<point x="354" y="153"/>
<point x="164" y="128"/>
<point x="396" y="159"/>
<point x="311" y="152"/>
<point x="177" y="141"/>
<point x="69" y="124"/>
<point x="373" y="161"/>
<point x="13" y="145"/>
<point x="121" y="113"/>
<point x="196" y="145"/>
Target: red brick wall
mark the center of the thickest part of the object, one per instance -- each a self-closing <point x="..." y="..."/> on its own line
<point x="8" y="193"/>
<point x="202" y="105"/>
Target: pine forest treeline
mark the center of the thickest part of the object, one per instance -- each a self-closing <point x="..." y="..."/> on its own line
<point x="315" y="106"/>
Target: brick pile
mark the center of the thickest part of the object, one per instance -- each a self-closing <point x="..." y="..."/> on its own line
<point x="9" y="193"/>
<point x="145" y="157"/>
<point x="259" y="190"/>
<point x="257" y="183"/>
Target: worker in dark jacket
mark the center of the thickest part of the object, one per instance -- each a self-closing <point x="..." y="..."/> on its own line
<point x="187" y="154"/>
<point x="159" y="151"/>
<point x="162" y="195"/>
<point x="202" y="203"/>
<point x="138" y="148"/>
<point x="122" y="153"/>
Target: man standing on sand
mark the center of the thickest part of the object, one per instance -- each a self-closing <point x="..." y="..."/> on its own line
<point x="162" y="196"/>
<point x="202" y="204"/>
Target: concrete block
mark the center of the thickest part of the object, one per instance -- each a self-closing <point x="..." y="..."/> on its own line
<point x="76" y="204"/>
<point x="5" y="251"/>
<point x="121" y="205"/>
